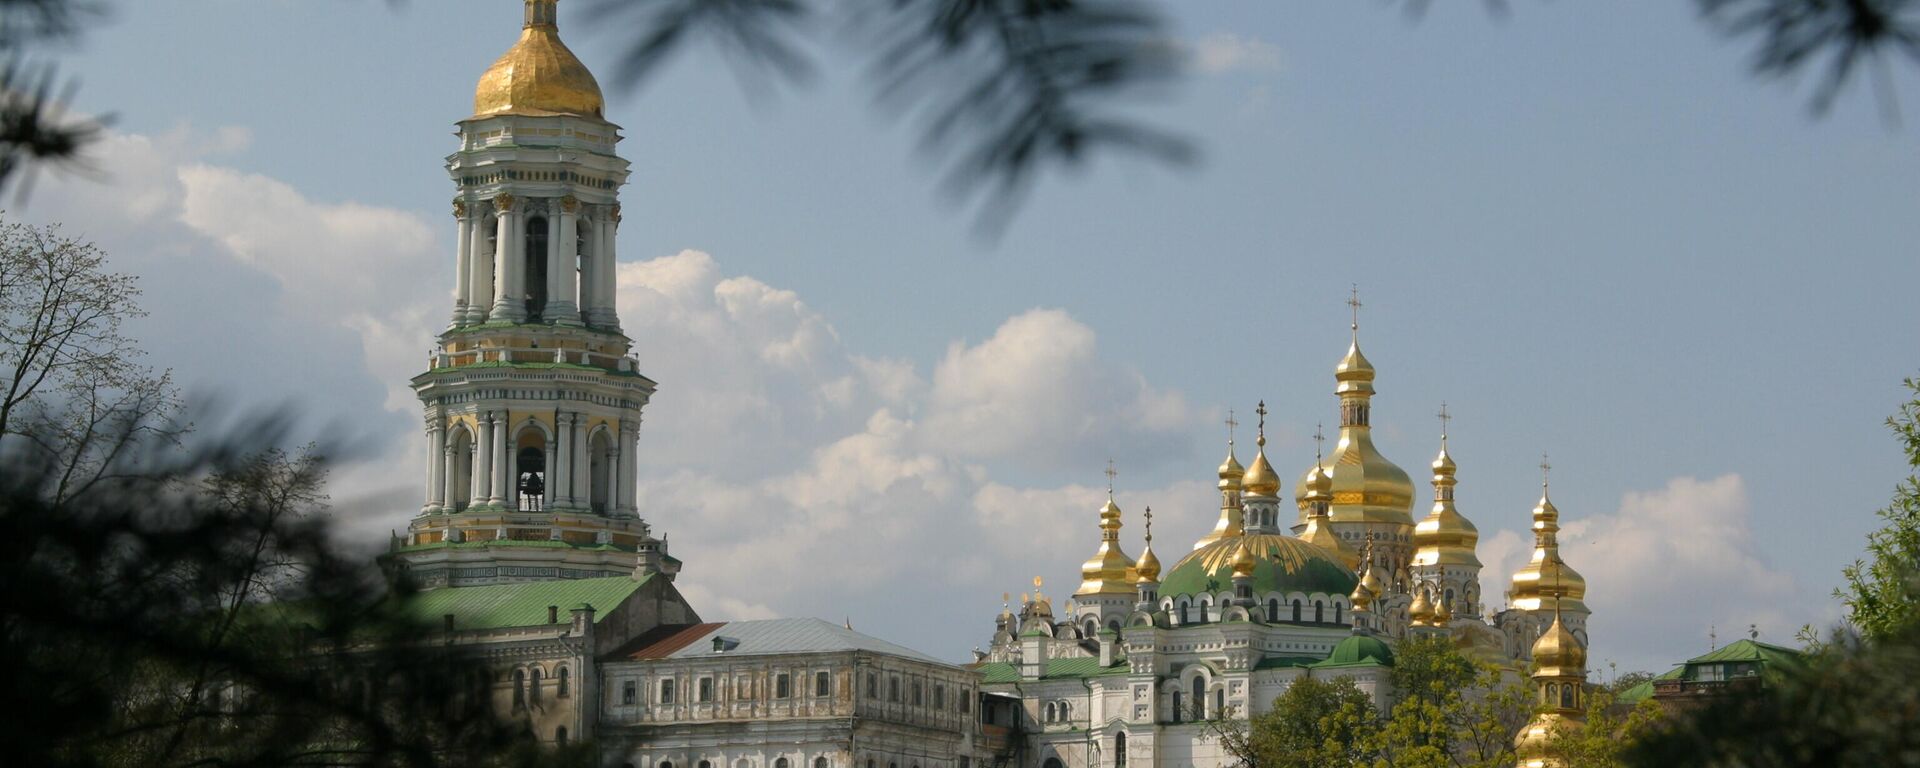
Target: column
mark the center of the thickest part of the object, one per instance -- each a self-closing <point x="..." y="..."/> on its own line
<point x="503" y="491"/>
<point x="449" y="472"/>
<point x="582" y="463"/>
<point x="565" y="248"/>
<point x="462" y="260"/>
<point x="483" y="463"/>
<point x="436" y="464"/>
<point x="603" y="269"/>
<point x="550" y="492"/>
<point x="509" y="300"/>
<point x="479" y="264"/>
<point x="629" y="476"/>
<point x="563" y="475"/>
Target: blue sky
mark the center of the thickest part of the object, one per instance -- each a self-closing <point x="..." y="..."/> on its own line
<point x="1588" y="229"/>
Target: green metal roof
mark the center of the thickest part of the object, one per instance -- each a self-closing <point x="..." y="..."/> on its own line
<point x="495" y="606"/>
<point x="1281" y="564"/>
<point x="1644" y="690"/>
<point x="1359" y="650"/>
<point x="512" y="544"/>
<point x="1081" y="667"/>
<point x="1750" y="650"/>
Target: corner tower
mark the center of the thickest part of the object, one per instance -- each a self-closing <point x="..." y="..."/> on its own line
<point x="532" y="397"/>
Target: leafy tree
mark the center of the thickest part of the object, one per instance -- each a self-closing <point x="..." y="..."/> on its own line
<point x="1314" y="723"/>
<point x="1451" y="710"/>
<point x="1608" y="729"/>
<point x="1881" y="595"/>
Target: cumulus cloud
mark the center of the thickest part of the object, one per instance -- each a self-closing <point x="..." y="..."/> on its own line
<point x="1226" y="52"/>
<point x="1666" y="567"/>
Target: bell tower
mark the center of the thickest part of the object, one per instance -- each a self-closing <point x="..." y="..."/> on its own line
<point x="532" y="397"/>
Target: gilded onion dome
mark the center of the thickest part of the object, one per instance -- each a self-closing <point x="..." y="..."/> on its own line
<point x="1558" y="652"/>
<point x="1445" y="537"/>
<point x="1366" y="486"/>
<point x="1110" y="570"/>
<point x="1244" y="562"/>
<point x="1546" y="581"/>
<point x="538" y="75"/>
<point x="1421" y="611"/>
<point x="1231" y="516"/>
<point x="1361" y="597"/>
<point x="1146" y="570"/>
<point x="1319" y="530"/>
<point x="1260" y="479"/>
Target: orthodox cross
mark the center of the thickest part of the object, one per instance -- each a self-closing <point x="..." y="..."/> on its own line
<point x="1262" y="410"/>
<point x="1353" y="300"/>
<point x="1149" y="517"/>
<point x="1230" y="425"/>
<point x="1111" y="474"/>
<point x="1546" y="470"/>
<point x="1444" y="418"/>
<point x="1319" y="437"/>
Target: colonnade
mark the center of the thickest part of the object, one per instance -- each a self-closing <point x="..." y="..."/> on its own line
<point x="491" y="272"/>
<point x="587" y="467"/>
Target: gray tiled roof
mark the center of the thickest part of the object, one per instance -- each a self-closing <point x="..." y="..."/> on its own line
<point x="792" y="636"/>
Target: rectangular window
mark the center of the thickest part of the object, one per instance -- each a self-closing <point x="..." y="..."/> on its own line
<point x="873" y="686"/>
<point x="893" y="689"/>
<point x="746" y="689"/>
<point x="916" y="693"/>
<point x="966" y="702"/>
<point x="628" y="693"/>
<point x="822" y="684"/>
<point x="666" y="691"/>
<point x="782" y="686"/>
<point x="939" y="697"/>
<point x="705" y="691"/>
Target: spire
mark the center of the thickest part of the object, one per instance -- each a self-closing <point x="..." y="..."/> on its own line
<point x="1260" y="479"/>
<point x="1319" y="530"/>
<point x="1109" y="571"/>
<point x="1231" y="475"/>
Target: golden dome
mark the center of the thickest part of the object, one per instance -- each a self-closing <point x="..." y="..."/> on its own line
<point x="1319" y="530"/>
<point x="1260" y="479"/>
<point x="538" y="75"/>
<point x="1147" y="569"/>
<point x="1546" y="582"/>
<point x="1442" y="614"/>
<point x="1231" y="472"/>
<point x="1362" y="597"/>
<point x="1110" y="570"/>
<point x="1243" y="563"/>
<point x="1534" y="744"/>
<point x="1559" y="653"/>
<point x="1372" y="581"/>
<point x="1445" y="537"/>
<point x="1421" y="610"/>
<point x="1354" y="367"/>
<point x="1366" y="486"/>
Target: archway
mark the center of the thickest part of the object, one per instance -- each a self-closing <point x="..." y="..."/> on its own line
<point x="460" y="469"/>
<point x="536" y="267"/>
<point x="599" y="470"/>
<point x="529" y="467"/>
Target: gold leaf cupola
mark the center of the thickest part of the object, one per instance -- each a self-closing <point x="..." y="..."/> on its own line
<point x="1231" y="486"/>
<point x="1147" y="569"/>
<point x="1319" y="530"/>
<point x="1546" y="582"/>
<point x="538" y="75"/>
<point x="1560" y="691"/>
<point x="1446" y="538"/>
<point x="1259" y="500"/>
<point x="1110" y="570"/>
<point x="1367" y="488"/>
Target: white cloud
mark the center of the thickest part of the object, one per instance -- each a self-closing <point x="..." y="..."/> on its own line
<point x="1226" y="52"/>
<point x="1666" y="567"/>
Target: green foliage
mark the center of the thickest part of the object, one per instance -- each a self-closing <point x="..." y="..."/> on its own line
<point x="1853" y="705"/>
<point x="1452" y="710"/>
<point x="1314" y="723"/>
<point x="1881" y="594"/>
<point x="1608" y="729"/>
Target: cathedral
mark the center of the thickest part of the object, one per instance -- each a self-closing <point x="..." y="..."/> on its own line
<point x="533" y="556"/>
<point x="1131" y="668"/>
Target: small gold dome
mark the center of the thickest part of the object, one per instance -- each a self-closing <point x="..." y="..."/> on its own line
<point x="1148" y="567"/>
<point x="1558" y="652"/>
<point x="1353" y="367"/>
<point x="1110" y="571"/>
<point x="1260" y="479"/>
<point x="1244" y="562"/>
<point x="1372" y="582"/>
<point x="1421" y="610"/>
<point x="1362" y="598"/>
<point x="1442" y="614"/>
<point x="1231" y="473"/>
<point x="538" y="75"/>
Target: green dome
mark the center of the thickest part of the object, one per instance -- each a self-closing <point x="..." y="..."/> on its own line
<point x="1360" y="649"/>
<point x="1281" y="564"/>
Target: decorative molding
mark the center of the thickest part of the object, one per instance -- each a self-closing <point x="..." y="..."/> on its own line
<point x="503" y="204"/>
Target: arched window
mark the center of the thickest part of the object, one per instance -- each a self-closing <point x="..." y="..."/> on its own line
<point x="536" y="267"/>
<point x="1199" y="698"/>
<point x="1296" y="610"/>
<point x="460" y="468"/>
<point x="781" y="763"/>
<point x="1219" y="702"/>
<point x="599" y="471"/>
<point x="1566" y="696"/>
<point x="1273" y="609"/>
<point x="1319" y="611"/>
<point x="820" y="762"/>
<point x="534" y="689"/>
<point x="530" y="471"/>
<point x="1337" y="610"/>
<point x="706" y="764"/>
<point x="1053" y="762"/>
<point x="1176" y="706"/>
<point x="519" y="687"/>
<point x="1120" y="750"/>
<point x="1049" y="715"/>
<point x="560" y="735"/>
<point x="666" y="764"/>
<point x="565" y="678"/>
